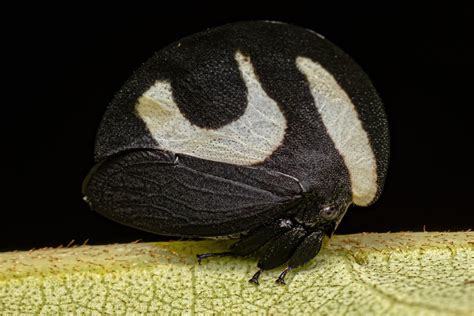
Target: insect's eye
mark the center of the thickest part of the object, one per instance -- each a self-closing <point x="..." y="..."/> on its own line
<point x="328" y="213"/>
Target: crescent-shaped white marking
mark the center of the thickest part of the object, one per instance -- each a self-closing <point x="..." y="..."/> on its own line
<point x="250" y="139"/>
<point x="341" y="120"/>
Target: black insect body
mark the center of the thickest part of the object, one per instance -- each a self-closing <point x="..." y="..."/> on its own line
<point x="259" y="129"/>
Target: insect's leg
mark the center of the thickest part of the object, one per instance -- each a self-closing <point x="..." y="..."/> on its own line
<point x="280" y="249"/>
<point x="212" y="254"/>
<point x="255" y="277"/>
<point x="307" y="250"/>
<point x="281" y="277"/>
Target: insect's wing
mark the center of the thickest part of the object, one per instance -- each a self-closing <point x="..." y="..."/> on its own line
<point x="161" y="192"/>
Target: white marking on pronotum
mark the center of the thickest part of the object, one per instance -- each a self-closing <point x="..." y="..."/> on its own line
<point x="250" y="139"/>
<point x="345" y="129"/>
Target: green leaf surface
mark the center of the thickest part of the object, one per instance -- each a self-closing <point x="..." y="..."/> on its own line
<point x="363" y="274"/>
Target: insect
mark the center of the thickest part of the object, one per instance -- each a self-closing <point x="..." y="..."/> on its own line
<point x="262" y="130"/>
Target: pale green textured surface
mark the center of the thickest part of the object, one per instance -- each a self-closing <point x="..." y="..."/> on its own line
<point x="364" y="274"/>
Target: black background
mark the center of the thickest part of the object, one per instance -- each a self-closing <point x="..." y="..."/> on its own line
<point x="61" y="67"/>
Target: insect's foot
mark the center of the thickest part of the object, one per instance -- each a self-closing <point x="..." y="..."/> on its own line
<point x="255" y="277"/>
<point x="281" y="277"/>
<point x="199" y="257"/>
<point x="280" y="281"/>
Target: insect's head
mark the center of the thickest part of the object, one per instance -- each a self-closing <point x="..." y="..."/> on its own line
<point x="331" y="215"/>
<point x="332" y="212"/>
<point x="326" y="211"/>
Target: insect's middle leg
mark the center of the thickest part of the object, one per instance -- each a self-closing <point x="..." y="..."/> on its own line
<point x="297" y="246"/>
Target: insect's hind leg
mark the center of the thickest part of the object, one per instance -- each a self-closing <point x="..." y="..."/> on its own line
<point x="212" y="254"/>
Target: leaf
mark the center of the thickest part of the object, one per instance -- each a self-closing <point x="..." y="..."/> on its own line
<point x="384" y="274"/>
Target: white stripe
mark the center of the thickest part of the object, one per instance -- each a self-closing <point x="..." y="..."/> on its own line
<point x="345" y="129"/>
<point x="250" y="139"/>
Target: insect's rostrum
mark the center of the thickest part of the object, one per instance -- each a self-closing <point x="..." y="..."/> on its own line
<point x="258" y="129"/>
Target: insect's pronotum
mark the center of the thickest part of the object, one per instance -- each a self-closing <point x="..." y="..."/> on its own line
<point x="258" y="129"/>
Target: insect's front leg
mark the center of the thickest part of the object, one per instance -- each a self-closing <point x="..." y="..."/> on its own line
<point x="279" y="250"/>
<point x="307" y="250"/>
